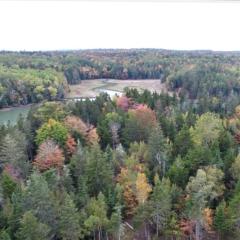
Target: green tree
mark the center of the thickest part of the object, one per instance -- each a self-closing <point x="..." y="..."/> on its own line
<point x="109" y="129"/>
<point x="14" y="152"/>
<point x="233" y="209"/>
<point x="158" y="150"/>
<point x="52" y="130"/>
<point x="8" y="185"/>
<point x="178" y="172"/>
<point x="31" y="228"/>
<point x="38" y="199"/>
<point x="4" y="235"/>
<point x="116" y="227"/>
<point x="182" y="142"/>
<point x="206" y="129"/>
<point x="99" y="174"/>
<point x="161" y="204"/>
<point x="222" y="220"/>
<point x="235" y="168"/>
<point x="50" y="110"/>
<point x="202" y="189"/>
<point x="97" y="219"/>
<point x="68" y="222"/>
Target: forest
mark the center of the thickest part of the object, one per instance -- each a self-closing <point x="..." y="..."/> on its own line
<point x="31" y="77"/>
<point x="143" y="165"/>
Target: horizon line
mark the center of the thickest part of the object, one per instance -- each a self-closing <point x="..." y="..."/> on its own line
<point x="94" y="49"/>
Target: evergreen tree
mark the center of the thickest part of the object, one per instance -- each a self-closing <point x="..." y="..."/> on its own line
<point x="40" y="201"/>
<point x="97" y="219"/>
<point x="204" y="188"/>
<point x="116" y="227"/>
<point x="13" y="151"/>
<point x="68" y="222"/>
<point x="31" y="228"/>
<point x="161" y="204"/>
<point x="4" y="235"/>
<point x="158" y="151"/>
<point x="98" y="171"/>
<point x="222" y="221"/>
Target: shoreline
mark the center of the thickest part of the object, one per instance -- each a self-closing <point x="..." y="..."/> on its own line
<point x="8" y="109"/>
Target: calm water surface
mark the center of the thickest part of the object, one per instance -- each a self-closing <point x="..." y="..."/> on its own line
<point x="12" y="114"/>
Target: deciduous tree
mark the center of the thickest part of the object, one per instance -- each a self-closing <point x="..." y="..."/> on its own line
<point x="49" y="156"/>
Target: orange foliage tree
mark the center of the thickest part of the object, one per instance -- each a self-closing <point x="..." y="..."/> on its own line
<point x="208" y="219"/>
<point x="49" y="156"/>
<point x="124" y="103"/>
<point x="140" y="123"/>
<point x="144" y="115"/>
<point x="70" y="145"/>
<point x="125" y="180"/>
<point x="135" y="186"/>
<point x="87" y="131"/>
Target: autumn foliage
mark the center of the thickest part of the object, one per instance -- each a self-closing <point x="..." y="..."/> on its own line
<point x="142" y="188"/>
<point x="10" y="170"/>
<point x="87" y="131"/>
<point x="208" y="219"/>
<point x="135" y="187"/>
<point x="70" y="145"/>
<point x="49" y="156"/>
<point x="144" y="115"/>
<point x="129" y="196"/>
<point x="124" y="103"/>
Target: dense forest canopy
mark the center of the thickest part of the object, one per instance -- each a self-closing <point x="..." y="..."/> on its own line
<point x="144" y="165"/>
<point x="192" y="74"/>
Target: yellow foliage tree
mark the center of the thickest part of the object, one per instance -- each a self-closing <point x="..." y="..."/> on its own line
<point x="142" y="188"/>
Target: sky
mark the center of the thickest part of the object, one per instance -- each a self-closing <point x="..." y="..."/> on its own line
<point x="63" y="25"/>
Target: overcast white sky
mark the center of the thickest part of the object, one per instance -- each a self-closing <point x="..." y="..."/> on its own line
<point x="79" y="25"/>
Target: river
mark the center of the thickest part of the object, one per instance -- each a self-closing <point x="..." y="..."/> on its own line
<point x="12" y="114"/>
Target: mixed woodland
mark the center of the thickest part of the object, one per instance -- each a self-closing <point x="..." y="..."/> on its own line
<point x="143" y="165"/>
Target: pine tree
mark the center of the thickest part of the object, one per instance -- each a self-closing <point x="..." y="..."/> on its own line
<point x="97" y="216"/>
<point x="38" y="199"/>
<point x="13" y="151"/>
<point x="158" y="150"/>
<point x="68" y="222"/>
<point x="31" y="228"/>
<point x="4" y="235"/>
<point x="161" y="203"/>
<point x="222" y="221"/>
<point x="98" y="171"/>
<point x="116" y="227"/>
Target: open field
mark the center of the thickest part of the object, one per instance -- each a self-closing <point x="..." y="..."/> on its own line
<point x="91" y="88"/>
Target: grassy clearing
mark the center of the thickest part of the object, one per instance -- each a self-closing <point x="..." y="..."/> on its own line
<point x="90" y="88"/>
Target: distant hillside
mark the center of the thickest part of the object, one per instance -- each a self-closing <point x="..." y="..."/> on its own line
<point x="190" y="73"/>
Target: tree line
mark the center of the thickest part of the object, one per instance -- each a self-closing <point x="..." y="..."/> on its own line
<point x="191" y="74"/>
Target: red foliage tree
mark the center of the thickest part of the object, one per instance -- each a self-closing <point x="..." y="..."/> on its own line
<point x="70" y="145"/>
<point x="10" y="170"/>
<point x="187" y="227"/>
<point x="87" y="131"/>
<point x="124" y="103"/>
<point x="49" y="156"/>
<point x="144" y="114"/>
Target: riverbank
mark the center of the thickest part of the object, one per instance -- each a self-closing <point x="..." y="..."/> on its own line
<point x="91" y="88"/>
<point x="7" y="109"/>
<point x="12" y="114"/>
